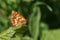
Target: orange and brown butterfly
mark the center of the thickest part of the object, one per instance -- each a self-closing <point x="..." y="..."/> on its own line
<point x="17" y="19"/>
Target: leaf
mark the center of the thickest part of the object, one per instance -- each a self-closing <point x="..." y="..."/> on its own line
<point x="34" y="23"/>
<point x="16" y="38"/>
<point x="42" y="3"/>
<point x="49" y="7"/>
<point x="27" y="38"/>
<point x="7" y="34"/>
<point x="3" y="23"/>
<point x="51" y="35"/>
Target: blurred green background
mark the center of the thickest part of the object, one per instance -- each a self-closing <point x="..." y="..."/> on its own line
<point x="43" y="18"/>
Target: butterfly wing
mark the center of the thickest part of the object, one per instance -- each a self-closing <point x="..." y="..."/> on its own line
<point x="17" y="19"/>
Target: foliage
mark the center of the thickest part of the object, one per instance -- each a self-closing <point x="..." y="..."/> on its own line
<point x="43" y="20"/>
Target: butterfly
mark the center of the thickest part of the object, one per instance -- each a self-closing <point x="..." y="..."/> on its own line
<point x="17" y="19"/>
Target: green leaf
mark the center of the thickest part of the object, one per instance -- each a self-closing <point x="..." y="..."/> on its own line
<point x="51" y="35"/>
<point x="7" y="34"/>
<point x="42" y="3"/>
<point x="27" y="38"/>
<point x="49" y="7"/>
<point x="3" y="23"/>
<point x="16" y="38"/>
<point x="34" y="23"/>
<point x="3" y="5"/>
